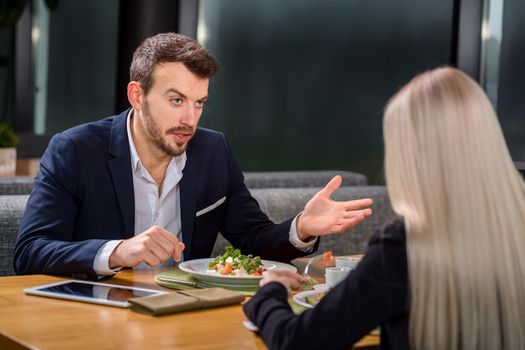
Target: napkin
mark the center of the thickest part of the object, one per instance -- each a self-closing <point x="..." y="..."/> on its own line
<point x="184" y="300"/>
<point x="213" y="297"/>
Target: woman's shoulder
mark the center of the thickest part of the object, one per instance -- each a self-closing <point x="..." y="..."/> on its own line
<point x="393" y="232"/>
<point x="386" y="255"/>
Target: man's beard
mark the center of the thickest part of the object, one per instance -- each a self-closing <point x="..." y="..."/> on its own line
<point x="155" y="134"/>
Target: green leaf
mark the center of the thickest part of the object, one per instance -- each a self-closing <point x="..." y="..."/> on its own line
<point x="7" y="136"/>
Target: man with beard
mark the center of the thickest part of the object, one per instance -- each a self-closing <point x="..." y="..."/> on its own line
<point x="148" y="187"/>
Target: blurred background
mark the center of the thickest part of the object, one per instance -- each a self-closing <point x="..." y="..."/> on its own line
<point x="302" y="85"/>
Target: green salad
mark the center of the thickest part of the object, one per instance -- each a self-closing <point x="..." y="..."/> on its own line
<point x="233" y="263"/>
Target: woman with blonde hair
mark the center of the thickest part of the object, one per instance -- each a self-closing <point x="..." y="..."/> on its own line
<point x="451" y="273"/>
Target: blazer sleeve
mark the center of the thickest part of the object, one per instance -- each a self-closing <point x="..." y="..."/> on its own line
<point x="46" y="240"/>
<point x="374" y="292"/>
<point x="248" y="228"/>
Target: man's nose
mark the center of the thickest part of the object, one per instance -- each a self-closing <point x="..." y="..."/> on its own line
<point x="189" y="116"/>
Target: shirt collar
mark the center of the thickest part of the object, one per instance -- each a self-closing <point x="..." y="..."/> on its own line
<point x="136" y="163"/>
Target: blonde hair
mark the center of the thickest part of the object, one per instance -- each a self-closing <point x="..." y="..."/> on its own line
<point x="451" y="178"/>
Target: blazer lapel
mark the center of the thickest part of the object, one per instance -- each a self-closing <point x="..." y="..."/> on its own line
<point x="120" y="169"/>
<point x="188" y="199"/>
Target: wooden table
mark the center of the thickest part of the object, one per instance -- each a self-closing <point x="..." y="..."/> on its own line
<point x="44" y="323"/>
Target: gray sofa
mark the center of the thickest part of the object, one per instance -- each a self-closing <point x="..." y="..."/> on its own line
<point x="11" y="211"/>
<point x="14" y="185"/>
<point x="264" y="179"/>
<point x="279" y="203"/>
<point x="293" y="179"/>
<point x="283" y="203"/>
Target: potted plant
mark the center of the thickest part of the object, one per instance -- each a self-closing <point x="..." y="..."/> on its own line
<point x="8" y="141"/>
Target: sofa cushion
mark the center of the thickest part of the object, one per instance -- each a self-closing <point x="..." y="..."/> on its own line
<point x="283" y="203"/>
<point x="287" y="179"/>
<point x="15" y="185"/>
<point x="11" y="211"/>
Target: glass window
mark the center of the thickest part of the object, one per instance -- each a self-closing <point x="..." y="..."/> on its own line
<point x="75" y="62"/>
<point x="6" y="76"/>
<point x="511" y="90"/>
<point x="304" y="82"/>
<point x="491" y="47"/>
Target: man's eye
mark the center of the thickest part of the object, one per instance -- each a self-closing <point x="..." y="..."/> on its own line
<point x="176" y="101"/>
<point x="200" y="103"/>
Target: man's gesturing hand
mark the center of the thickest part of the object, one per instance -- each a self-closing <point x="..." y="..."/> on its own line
<point x="153" y="246"/>
<point x="323" y="216"/>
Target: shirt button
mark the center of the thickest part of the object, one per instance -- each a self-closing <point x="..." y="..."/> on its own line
<point x="157" y="215"/>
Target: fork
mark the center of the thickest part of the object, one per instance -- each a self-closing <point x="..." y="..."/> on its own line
<point x="310" y="262"/>
<point x="306" y="278"/>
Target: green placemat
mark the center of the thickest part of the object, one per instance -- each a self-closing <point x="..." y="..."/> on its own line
<point x="177" y="279"/>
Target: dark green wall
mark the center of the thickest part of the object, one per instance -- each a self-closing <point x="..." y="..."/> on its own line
<point x="304" y="82"/>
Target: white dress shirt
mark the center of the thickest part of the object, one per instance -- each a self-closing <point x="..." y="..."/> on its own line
<point x="152" y="208"/>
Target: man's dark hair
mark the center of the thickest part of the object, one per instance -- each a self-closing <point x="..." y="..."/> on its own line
<point x="170" y="47"/>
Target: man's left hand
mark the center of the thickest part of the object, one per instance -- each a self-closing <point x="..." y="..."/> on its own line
<point x="323" y="216"/>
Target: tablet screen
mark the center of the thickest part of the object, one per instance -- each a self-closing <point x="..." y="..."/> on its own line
<point x="115" y="293"/>
<point x="93" y="292"/>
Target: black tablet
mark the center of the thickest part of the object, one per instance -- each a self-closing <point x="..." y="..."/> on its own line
<point x="91" y="292"/>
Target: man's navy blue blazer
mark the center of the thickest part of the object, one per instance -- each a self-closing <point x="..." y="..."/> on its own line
<point x="83" y="197"/>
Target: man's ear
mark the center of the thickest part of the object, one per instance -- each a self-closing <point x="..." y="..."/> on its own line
<point x="135" y="95"/>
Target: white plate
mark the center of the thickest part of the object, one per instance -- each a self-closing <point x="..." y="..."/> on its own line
<point x="300" y="298"/>
<point x="197" y="268"/>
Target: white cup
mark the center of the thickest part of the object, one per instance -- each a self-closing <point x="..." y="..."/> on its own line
<point x="347" y="261"/>
<point x="334" y="275"/>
